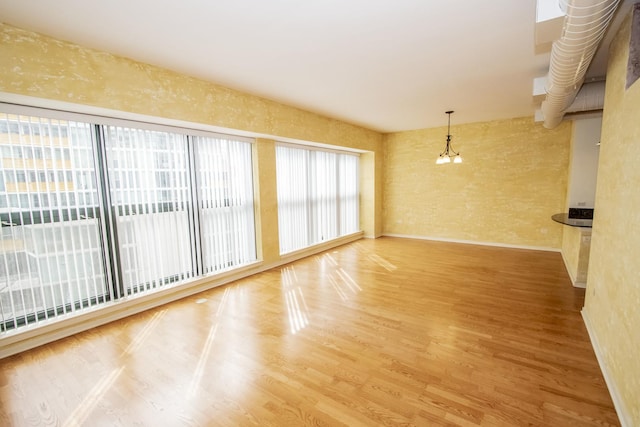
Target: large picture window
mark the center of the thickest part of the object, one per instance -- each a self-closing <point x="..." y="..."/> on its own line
<point x="93" y="211"/>
<point x="318" y="196"/>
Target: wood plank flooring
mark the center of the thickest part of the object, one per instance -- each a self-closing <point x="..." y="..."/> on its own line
<point x="378" y="332"/>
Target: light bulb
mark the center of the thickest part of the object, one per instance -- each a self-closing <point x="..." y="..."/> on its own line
<point x="457" y="159"/>
<point x="446" y="159"/>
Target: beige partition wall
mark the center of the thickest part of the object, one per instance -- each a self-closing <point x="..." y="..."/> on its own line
<point x="612" y="306"/>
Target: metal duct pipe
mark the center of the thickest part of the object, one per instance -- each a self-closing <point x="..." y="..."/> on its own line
<point x="589" y="98"/>
<point x="586" y="22"/>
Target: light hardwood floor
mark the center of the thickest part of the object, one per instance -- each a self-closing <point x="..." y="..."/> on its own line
<point x="378" y="332"/>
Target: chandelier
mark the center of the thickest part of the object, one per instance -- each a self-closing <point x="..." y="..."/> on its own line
<point x="445" y="156"/>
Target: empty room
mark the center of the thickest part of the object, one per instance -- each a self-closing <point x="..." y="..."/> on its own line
<point x="356" y="213"/>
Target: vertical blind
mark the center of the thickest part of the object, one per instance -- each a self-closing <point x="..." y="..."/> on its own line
<point x="51" y="260"/>
<point x="226" y="203"/>
<point x="94" y="213"/>
<point x="318" y="196"/>
<point x="150" y="193"/>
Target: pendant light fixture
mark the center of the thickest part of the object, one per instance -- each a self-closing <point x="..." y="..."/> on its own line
<point x="445" y="156"/>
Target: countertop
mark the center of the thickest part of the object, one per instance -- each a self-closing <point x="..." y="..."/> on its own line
<point x="563" y="218"/>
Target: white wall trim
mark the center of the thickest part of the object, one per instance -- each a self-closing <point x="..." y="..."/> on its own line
<point x="473" y="242"/>
<point x="623" y="414"/>
<point x="319" y="247"/>
<point x="29" y="337"/>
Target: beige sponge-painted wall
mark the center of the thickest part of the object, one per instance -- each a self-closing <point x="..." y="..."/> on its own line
<point x="612" y="304"/>
<point x="513" y="178"/>
<point x="44" y="67"/>
<point x="39" y="66"/>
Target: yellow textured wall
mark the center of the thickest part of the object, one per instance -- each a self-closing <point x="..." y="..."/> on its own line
<point x="43" y="67"/>
<point x="371" y="177"/>
<point x="266" y="201"/>
<point x="612" y="306"/>
<point x="513" y="178"/>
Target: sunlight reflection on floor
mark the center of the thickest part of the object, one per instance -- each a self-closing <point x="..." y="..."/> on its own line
<point x="296" y="304"/>
<point x="382" y="262"/>
<point x="141" y="336"/>
<point x="82" y="411"/>
<point x="343" y="284"/>
<point x="204" y="356"/>
<point x="206" y="349"/>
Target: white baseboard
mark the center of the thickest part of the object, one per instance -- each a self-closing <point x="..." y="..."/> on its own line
<point x="621" y="409"/>
<point x="473" y="242"/>
<point x="35" y="335"/>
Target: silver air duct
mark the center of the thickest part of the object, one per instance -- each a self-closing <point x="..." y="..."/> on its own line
<point x="585" y="24"/>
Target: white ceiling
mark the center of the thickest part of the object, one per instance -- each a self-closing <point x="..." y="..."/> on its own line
<point x="388" y="65"/>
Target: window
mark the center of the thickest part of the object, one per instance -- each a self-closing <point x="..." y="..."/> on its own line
<point x="97" y="212"/>
<point x="152" y="217"/>
<point x="318" y="196"/>
<point x="51" y="262"/>
<point x="225" y="202"/>
<point x="6" y="152"/>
